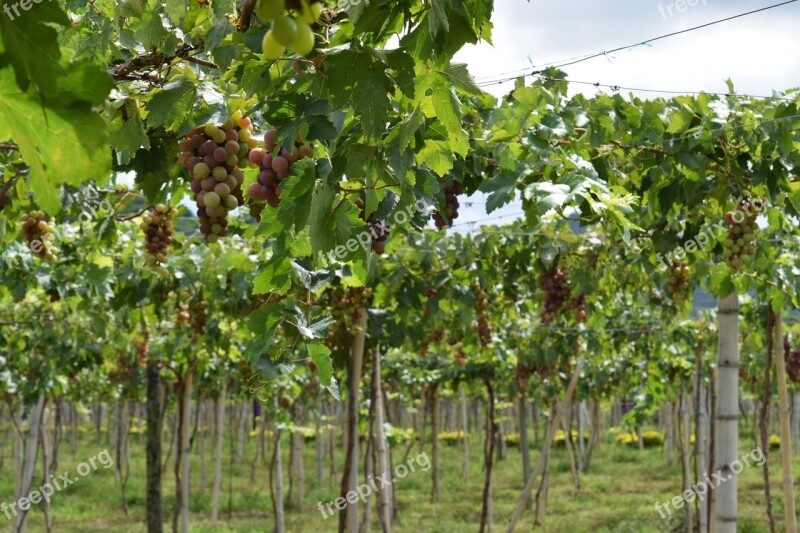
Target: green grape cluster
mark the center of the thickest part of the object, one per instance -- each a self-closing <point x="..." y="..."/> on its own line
<point x="214" y="156"/>
<point x="157" y="226"/>
<point x="678" y="278"/>
<point x="739" y="245"/>
<point x="480" y="304"/>
<point x="38" y="232"/>
<point x="292" y="30"/>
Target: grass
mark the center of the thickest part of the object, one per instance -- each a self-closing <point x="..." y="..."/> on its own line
<point x="617" y="495"/>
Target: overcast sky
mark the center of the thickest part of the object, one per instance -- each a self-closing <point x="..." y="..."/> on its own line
<point x="759" y="52"/>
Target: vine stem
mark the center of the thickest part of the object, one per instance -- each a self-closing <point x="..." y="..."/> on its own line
<point x="133" y="215"/>
<point x="247" y="14"/>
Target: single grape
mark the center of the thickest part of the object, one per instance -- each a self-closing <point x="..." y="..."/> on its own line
<point x="271" y="48"/>
<point x="270" y="9"/>
<point x="284" y="30"/>
<point x="303" y="42"/>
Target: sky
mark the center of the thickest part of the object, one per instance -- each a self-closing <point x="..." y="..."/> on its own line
<point x="759" y="52"/>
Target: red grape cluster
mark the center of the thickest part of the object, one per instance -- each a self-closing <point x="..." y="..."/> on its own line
<point x="481" y="305"/>
<point x="444" y="218"/>
<point x="157" y="227"/>
<point x="579" y="305"/>
<point x="199" y="317"/>
<point x="678" y="278"/>
<point x="739" y="246"/>
<point x="275" y="168"/>
<point x="556" y="292"/>
<point x="376" y="228"/>
<point x="792" y="358"/>
<point x="212" y="154"/>
<point x="38" y="233"/>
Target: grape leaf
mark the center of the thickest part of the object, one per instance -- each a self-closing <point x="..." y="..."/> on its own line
<point x="60" y="144"/>
<point x="321" y="357"/>
<point x="31" y="45"/>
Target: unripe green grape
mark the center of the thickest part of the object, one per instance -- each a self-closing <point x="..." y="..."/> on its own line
<point x="310" y="12"/>
<point x="220" y="174"/>
<point x="304" y="40"/>
<point x="219" y="136"/>
<point x="211" y="199"/>
<point x="284" y="30"/>
<point x="270" y="9"/>
<point x="271" y="48"/>
<point x="231" y="202"/>
<point x="201" y="171"/>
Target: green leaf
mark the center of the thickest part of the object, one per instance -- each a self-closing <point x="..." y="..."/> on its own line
<point x="60" y="144"/>
<point x="459" y="76"/>
<point x="275" y="276"/>
<point x="172" y="106"/>
<point x="31" y="45"/>
<point x="151" y="32"/>
<point x="359" y="79"/>
<point x="501" y="188"/>
<point x="320" y="355"/>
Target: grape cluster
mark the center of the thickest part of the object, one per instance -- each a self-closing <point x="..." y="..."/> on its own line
<point x="142" y="347"/>
<point x="739" y="246"/>
<point x="157" y="227"/>
<point x="578" y="304"/>
<point x="287" y="30"/>
<point x="38" y="233"/>
<point x="461" y="358"/>
<point x="481" y="305"/>
<point x="274" y="169"/>
<point x="376" y="228"/>
<point x="523" y="376"/>
<point x="212" y="154"/>
<point x="554" y="283"/>
<point x="792" y="359"/>
<point x="199" y="317"/>
<point x="182" y="316"/>
<point x="444" y="218"/>
<point x="678" y="278"/>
